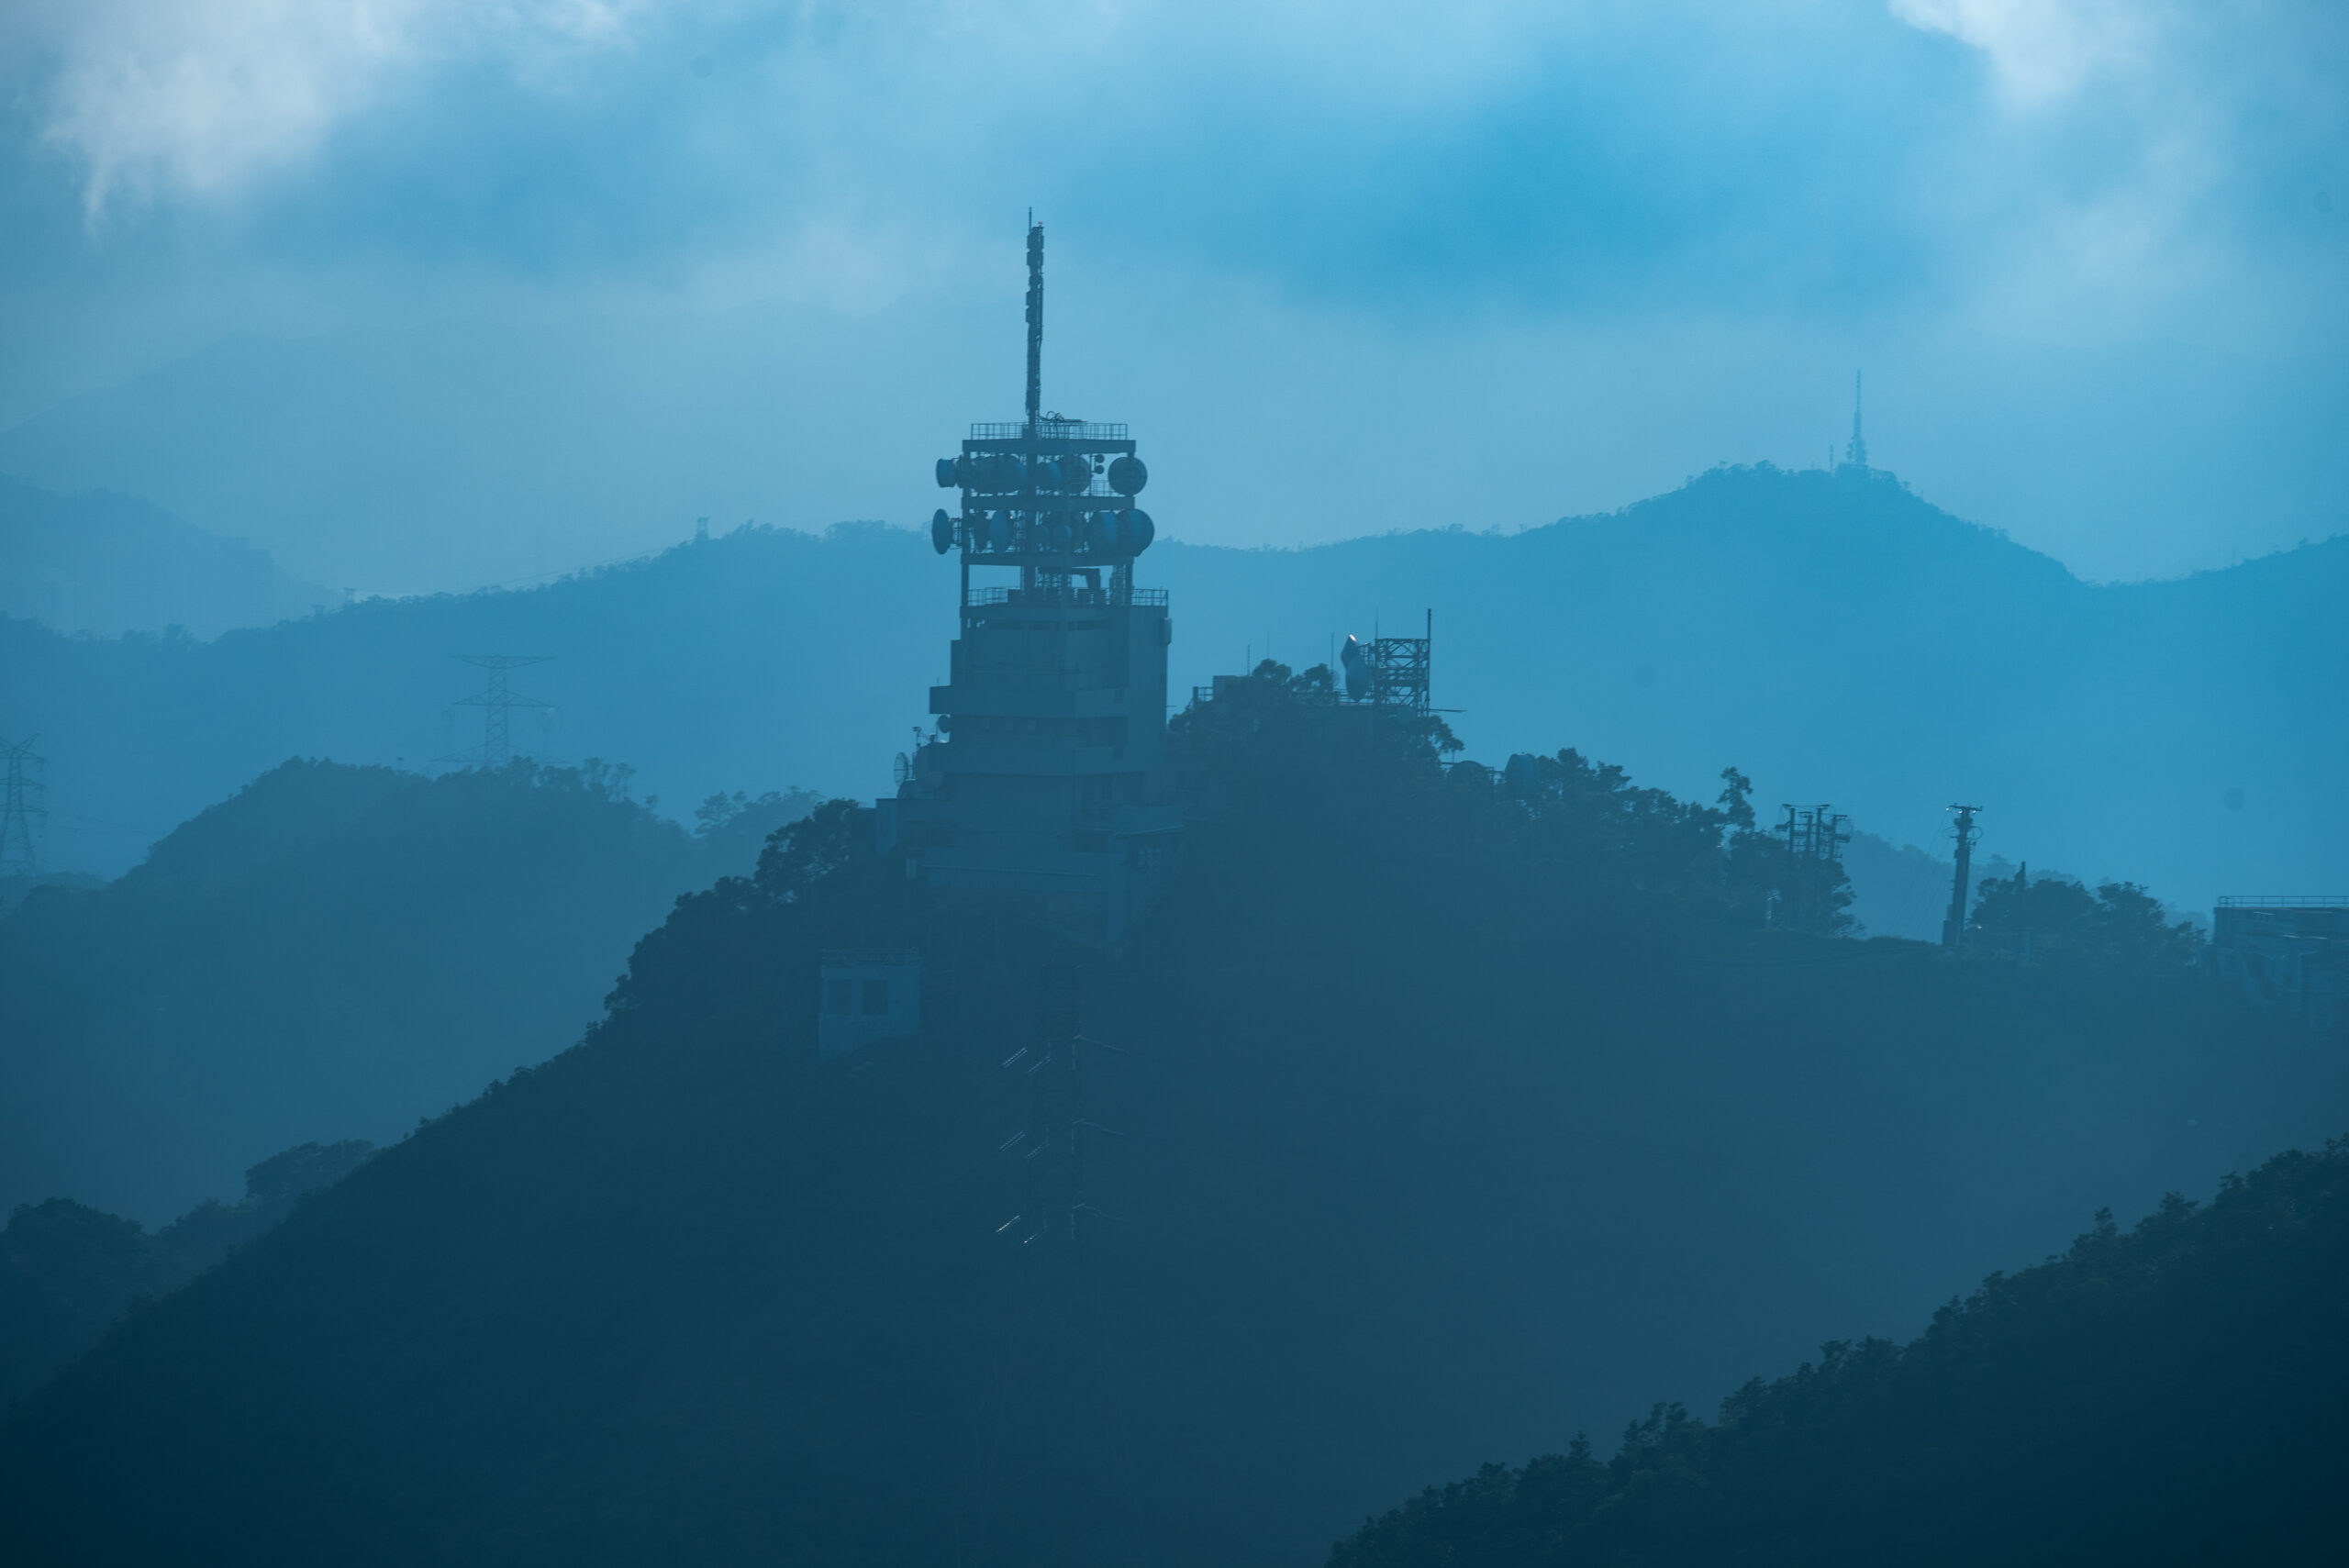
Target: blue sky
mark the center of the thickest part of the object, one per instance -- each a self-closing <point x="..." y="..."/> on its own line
<point x="420" y="294"/>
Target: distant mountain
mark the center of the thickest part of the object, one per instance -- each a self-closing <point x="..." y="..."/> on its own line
<point x="1428" y="1123"/>
<point x="2166" y="1395"/>
<point x="109" y="564"/>
<point x="329" y="954"/>
<point x="1835" y="636"/>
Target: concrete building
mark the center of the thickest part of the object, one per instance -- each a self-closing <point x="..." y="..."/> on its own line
<point x="1044" y="793"/>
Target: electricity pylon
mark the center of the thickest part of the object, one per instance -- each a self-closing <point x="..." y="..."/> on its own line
<point x="497" y="703"/>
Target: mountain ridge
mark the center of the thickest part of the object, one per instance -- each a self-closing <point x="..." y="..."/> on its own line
<point x="2159" y="732"/>
<point x="104" y="563"/>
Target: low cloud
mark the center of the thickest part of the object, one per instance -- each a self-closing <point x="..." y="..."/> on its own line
<point x="196" y="98"/>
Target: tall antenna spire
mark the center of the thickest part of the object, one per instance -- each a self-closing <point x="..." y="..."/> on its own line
<point x="1856" y="454"/>
<point x="1035" y="319"/>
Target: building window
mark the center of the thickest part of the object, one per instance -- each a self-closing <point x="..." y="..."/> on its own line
<point x="836" y="996"/>
<point x="876" y="999"/>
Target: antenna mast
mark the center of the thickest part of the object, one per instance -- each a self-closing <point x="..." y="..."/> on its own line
<point x="1035" y="320"/>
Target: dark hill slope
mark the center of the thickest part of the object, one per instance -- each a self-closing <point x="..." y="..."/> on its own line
<point x="1452" y="1128"/>
<point x="331" y="952"/>
<point x="2169" y="1395"/>
<point x="69" y="1271"/>
<point x="1841" y="637"/>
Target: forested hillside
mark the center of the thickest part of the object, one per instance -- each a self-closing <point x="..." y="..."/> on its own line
<point x="330" y="953"/>
<point x="1447" y="1116"/>
<point x="2170" y="733"/>
<point x="68" y="1271"/>
<point x="2169" y="1394"/>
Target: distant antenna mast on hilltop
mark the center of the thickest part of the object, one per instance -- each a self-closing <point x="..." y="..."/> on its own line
<point x="1856" y="454"/>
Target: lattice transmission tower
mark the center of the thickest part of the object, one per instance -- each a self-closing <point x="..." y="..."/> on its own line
<point x="19" y="806"/>
<point x="497" y="703"/>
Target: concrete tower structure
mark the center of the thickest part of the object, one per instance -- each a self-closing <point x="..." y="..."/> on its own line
<point x="1045" y="792"/>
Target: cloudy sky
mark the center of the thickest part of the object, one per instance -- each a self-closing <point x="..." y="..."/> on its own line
<point x="422" y="294"/>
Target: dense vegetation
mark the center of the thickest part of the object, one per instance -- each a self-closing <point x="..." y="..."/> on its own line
<point x="2170" y="1394"/>
<point x="68" y="1271"/>
<point x="330" y="953"/>
<point x="1459" y="1113"/>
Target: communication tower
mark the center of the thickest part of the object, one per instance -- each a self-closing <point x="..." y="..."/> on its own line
<point x="19" y="807"/>
<point x="1045" y="787"/>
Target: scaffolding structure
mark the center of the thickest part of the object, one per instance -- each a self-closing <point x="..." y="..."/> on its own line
<point x="1815" y="836"/>
<point x="1400" y="670"/>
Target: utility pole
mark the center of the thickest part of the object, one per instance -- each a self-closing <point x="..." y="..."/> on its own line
<point x="17" y="857"/>
<point x="496" y="735"/>
<point x="1965" y="833"/>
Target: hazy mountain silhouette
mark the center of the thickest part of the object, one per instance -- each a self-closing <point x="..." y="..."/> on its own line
<point x="1844" y="639"/>
<point x="109" y="563"/>
<point x="331" y="954"/>
<point x="1456" y="1119"/>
